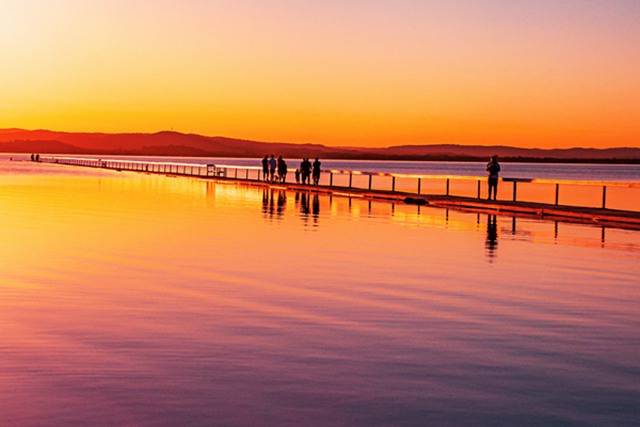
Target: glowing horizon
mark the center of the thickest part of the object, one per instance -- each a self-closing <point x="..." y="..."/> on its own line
<point x="536" y="74"/>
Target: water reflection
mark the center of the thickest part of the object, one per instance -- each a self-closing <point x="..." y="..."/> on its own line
<point x="274" y="202"/>
<point x="309" y="208"/>
<point x="491" y="243"/>
<point x="144" y="310"/>
<point x="308" y="204"/>
<point x="315" y="205"/>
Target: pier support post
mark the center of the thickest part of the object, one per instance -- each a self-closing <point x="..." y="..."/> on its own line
<point x="448" y="186"/>
<point x="350" y="179"/>
<point x="557" y="194"/>
<point x="419" y="184"/>
<point x="478" y="189"/>
<point x="370" y="178"/>
<point x="393" y="183"/>
<point x="330" y="179"/>
<point x="515" y="190"/>
<point x="604" y="197"/>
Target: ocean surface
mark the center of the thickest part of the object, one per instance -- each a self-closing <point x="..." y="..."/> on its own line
<point x="145" y="300"/>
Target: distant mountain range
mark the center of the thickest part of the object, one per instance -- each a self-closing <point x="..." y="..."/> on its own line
<point x="192" y="145"/>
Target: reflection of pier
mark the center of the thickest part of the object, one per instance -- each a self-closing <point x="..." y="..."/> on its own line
<point x="444" y="191"/>
<point x="310" y="206"/>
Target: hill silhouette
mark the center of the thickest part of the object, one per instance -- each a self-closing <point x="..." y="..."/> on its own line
<point x="168" y="143"/>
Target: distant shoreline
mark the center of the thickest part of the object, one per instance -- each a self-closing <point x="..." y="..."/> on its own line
<point x="175" y="144"/>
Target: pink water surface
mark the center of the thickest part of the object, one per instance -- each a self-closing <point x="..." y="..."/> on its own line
<point x="133" y="299"/>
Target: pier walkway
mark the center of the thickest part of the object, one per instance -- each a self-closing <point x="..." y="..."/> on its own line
<point x="586" y="201"/>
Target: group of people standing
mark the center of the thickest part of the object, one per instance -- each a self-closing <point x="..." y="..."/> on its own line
<point x="276" y="170"/>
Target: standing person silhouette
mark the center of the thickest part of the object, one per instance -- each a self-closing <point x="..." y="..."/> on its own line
<point x="282" y="169"/>
<point x="493" y="171"/>
<point x="305" y="170"/>
<point x="265" y="167"/>
<point x="272" y="168"/>
<point x="316" y="171"/>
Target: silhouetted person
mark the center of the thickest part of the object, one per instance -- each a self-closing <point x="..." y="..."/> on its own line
<point x="282" y="169"/>
<point x="493" y="171"/>
<point x="265" y="167"/>
<point x="298" y="176"/>
<point x="316" y="171"/>
<point x="491" y="244"/>
<point x="272" y="168"/>
<point x="305" y="170"/>
<point x="37" y="157"/>
<point x="33" y="157"/>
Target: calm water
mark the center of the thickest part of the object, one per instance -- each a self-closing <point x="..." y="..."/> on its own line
<point x="131" y="299"/>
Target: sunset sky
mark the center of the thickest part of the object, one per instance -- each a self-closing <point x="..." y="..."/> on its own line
<point x="350" y="72"/>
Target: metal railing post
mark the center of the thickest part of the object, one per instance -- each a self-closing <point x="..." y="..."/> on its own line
<point x="393" y="184"/>
<point x="515" y="190"/>
<point x="370" y="179"/>
<point x="604" y="197"/>
<point x="447" y="186"/>
<point x="350" y="178"/>
<point x="330" y="179"/>
<point x="419" y="184"/>
<point x="478" y="189"/>
<point x="557" y="193"/>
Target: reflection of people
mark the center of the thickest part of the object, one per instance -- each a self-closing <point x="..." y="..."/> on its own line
<point x="491" y="244"/>
<point x="304" y="204"/>
<point x="316" y="171"/>
<point x="282" y="202"/>
<point x="265" y="201"/>
<point x="272" y="207"/>
<point x="315" y="205"/>
<point x="265" y="167"/>
<point x="493" y="170"/>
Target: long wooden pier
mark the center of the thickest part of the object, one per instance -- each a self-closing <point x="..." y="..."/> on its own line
<point x="340" y="182"/>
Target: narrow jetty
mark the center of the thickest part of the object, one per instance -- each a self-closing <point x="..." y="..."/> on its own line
<point x="459" y="192"/>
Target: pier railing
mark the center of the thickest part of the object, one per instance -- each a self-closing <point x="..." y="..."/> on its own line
<point x="594" y="194"/>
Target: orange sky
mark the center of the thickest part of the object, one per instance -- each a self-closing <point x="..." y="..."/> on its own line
<point x="350" y="72"/>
